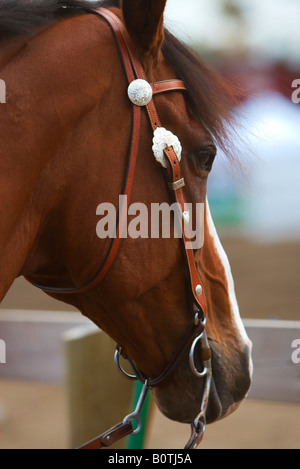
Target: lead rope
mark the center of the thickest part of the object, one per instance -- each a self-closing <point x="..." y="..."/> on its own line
<point x="199" y="424"/>
<point x="123" y="429"/>
<point x="126" y="427"/>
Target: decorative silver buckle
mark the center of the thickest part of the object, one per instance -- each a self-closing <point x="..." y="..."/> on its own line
<point x="140" y="92"/>
<point x="163" y="139"/>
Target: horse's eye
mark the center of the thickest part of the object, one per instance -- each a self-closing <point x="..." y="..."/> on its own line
<point x="206" y="157"/>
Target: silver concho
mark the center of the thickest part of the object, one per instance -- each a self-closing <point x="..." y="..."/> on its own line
<point x="162" y="139"/>
<point x="140" y="92"/>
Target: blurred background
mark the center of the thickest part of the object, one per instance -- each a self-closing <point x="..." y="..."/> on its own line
<point x="255" y="205"/>
<point x="256" y="45"/>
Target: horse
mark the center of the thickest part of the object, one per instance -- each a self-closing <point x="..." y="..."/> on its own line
<point x="69" y="129"/>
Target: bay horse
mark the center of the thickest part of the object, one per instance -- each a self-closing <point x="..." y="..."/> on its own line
<point x="67" y="128"/>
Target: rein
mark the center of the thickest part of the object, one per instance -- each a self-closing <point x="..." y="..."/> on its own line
<point x="141" y="94"/>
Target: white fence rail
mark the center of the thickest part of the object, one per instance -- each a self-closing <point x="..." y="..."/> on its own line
<point x="276" y="377"/>
<point x="34" y="343"/>
<point x="35" y="350"/>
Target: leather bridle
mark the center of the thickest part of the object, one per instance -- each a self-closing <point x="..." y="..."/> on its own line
<point x="141" y="94"/>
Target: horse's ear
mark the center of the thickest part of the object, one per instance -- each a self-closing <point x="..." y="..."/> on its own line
<point x="144" y="22"/>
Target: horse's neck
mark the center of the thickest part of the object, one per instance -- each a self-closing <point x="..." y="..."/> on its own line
<point x="10" y="48"/>
<point x="49" y="92"/>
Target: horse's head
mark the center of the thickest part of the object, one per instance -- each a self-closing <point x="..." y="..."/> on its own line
<point x="146" y="293"/>
<point x="144" y="301"/>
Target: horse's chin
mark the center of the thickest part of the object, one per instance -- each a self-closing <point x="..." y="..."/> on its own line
<point x="188" y="408"/>
<point x="181" y="398"/>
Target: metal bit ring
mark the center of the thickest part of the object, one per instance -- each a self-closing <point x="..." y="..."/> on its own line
<point x="117" y="362"/>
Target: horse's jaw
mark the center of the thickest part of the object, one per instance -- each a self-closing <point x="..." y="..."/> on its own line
<point x="180" y="399"/>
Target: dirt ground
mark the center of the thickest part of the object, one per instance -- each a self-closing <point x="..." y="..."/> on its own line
<point x="34" y="415"/>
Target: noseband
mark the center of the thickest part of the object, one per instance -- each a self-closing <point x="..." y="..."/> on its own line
<point x="167" y="150"/>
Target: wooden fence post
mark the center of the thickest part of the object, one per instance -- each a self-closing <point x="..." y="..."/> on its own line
<point x="98" y="395"/>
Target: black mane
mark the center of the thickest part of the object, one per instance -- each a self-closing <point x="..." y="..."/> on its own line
<point x="23" y="16"/>
<point x="209" y="98"/>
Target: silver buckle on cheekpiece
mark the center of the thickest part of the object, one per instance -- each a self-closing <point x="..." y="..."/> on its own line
<point x="163" y="139"/>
